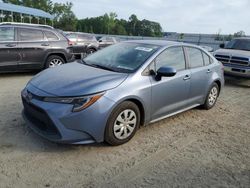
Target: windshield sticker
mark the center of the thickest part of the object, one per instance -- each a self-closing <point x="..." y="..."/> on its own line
<point x="144" y="49"/>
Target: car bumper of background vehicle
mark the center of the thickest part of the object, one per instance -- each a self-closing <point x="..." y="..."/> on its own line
<point x="71" y="59"/>
<point x="56" y="122"/>
<point x="237" y="71"/>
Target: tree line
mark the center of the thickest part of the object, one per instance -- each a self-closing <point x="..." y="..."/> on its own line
<point x="65" y="19"/>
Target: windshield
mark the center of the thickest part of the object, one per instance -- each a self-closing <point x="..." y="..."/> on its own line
<point x="239" y="44"/>
<point x="122" y="57"/>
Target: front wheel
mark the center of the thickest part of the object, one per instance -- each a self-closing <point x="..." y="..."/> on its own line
<point x="122" y="123"/>
<point x="211" y="97"/>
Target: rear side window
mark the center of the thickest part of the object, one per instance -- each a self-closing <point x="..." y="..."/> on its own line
<point x="72" y="37"/>
<point x="195" y="57"/>
<point x="172" y="57"/>
<point x="30" y="35"/>
<point x="51" y="36"/>
<point x="7" y="34"/>
<point x="206" y="59"/>
<point x="86" y="38"/>
<point x="109" y="39"/>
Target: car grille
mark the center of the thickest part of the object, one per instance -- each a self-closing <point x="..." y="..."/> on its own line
<point x="40" y="119"/>
<point x="225" y="59"/>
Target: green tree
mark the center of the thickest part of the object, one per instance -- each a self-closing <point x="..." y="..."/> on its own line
<point x="239" y="34"/>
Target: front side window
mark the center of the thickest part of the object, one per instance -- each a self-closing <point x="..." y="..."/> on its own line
<point x="122" y="57"/>
<point x="30" y="35"/>
<point x="195" y="57"/>
<point x="7" y="34"/>
<point x="172" y="57"/>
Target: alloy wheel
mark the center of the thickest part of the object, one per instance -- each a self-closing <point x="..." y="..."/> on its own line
<point x="55" y="62"/>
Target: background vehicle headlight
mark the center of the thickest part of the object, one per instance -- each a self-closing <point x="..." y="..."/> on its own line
<point x="79" y="103"/>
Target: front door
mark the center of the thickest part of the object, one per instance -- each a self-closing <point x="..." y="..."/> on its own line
<point x="170" y="93"/>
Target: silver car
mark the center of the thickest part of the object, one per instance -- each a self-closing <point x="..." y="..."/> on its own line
<point x="110" y="94"/>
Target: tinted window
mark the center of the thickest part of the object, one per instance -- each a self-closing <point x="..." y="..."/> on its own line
<point x="206" y="59"/>
<point x="30" y="35"/>
<point x="240" y="44"/>
<point x="51" y="36"/>
<point x="172" y="57"/>
<point x="72" y="37"/>
<point x="109" y="39"/>
<point x="85" y="38"/>
<point x="7" y="34"/>
<point x="195" y="57"/>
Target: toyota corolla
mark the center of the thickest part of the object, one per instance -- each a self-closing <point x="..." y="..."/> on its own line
<point x="108" y="95"/>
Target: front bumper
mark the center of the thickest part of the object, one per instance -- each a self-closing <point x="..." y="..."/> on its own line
<point x="56" y="122"/>
<point x="239" y="71"/>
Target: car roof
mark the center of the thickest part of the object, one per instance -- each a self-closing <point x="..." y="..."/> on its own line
<point x="160" y="42"/>
<point x="246" y="38"/>
<point x="79" y="33"/>
<point x="26" y="25"/>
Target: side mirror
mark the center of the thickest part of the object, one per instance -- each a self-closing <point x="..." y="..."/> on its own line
<point x="222" y="45"/>
<point x="100" y="40"/>
<point x="165" y="72"/>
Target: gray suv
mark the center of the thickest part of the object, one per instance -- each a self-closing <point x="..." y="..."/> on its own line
<point x="235" y="56"/>
<point x="30" y="47"/>
<point x="82" y="43"/>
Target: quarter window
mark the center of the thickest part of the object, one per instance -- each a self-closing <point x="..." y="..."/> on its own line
<point x="51" y="36"/>
<point x="172" y="57"/>
<point x="7" y="34"/>
<point x="30" y="35"/>
<point x="195" y="57"/>
<point x="206" y="59"/>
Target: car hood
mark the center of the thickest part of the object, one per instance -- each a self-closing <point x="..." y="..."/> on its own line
<point x="76" y="79"/>
<point x="233" y="52"/>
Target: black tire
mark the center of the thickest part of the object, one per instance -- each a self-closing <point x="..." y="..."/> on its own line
<point x="110" y="136"/>
<point x="53" y="58"/>
<point x="208" y="104"/>
<point x="91" y="51"/>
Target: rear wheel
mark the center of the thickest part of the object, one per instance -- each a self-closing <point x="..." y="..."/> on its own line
<point x="122" y="123"/>
<point x="53" y="61"/>
<point x="211" y="97"/>
<point x="91" y="51"/>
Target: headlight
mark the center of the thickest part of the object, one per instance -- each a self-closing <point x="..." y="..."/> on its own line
<point x="79" y="103"/>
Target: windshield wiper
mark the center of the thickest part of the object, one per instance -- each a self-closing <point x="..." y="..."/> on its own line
<point x="101" y="67"/>
<point x="98" y="66"/>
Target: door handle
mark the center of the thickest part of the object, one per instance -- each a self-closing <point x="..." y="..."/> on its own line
<point x="45" y="44"/>
<point x="10" y="45"/>
<point x="187" y="77"/>
<point x="208" y="71"/>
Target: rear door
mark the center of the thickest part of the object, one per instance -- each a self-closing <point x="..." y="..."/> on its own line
<point x="9" y="53"/>
<point x="199" y="75"/>
<point x="170" y="93"/>
<point x="33" y="47"/>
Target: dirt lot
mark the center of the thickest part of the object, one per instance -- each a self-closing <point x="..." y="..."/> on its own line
<point x="197" y="148"/>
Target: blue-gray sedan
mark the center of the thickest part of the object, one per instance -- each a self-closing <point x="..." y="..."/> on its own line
<point x="108" y="95"/>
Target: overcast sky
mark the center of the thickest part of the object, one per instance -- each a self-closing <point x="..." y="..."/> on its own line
<point x="187" y="16"/>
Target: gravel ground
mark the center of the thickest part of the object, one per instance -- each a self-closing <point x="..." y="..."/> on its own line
<point x="197" y="148"/>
